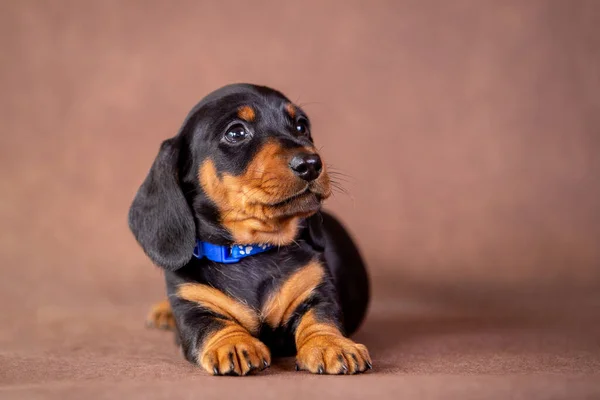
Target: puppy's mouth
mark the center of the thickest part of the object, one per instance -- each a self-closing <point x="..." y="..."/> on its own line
<point x="289" y="200"/>
<point x="305" y="202"/>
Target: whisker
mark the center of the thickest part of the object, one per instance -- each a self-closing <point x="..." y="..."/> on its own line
<point x="340" y="178"/>
<point x="310" y="103"/>
<point x="341" y="190"/>
<point x="335" y="171"/>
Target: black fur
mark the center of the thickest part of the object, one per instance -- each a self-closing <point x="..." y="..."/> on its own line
<point x="171" y="210"/>
<point x="160" y="217"/>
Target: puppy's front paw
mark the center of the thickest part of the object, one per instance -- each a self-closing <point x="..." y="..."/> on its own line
<point x="235" y="354"/>
<point x="332" y="354"/>
<point x="161" y="316"/>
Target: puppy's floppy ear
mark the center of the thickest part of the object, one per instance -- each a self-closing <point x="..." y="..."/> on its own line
<point x="160" y="217"/>
<point x="313" y="232"/>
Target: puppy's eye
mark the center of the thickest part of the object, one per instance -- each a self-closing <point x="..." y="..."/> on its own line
<point x="236" y="134"/>
<point x="302" y="127"/>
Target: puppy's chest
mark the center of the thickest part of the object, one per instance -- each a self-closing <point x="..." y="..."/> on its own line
<point x="256" y="279"/>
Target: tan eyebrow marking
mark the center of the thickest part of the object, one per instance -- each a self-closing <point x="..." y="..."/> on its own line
<point x="246" y="113"/>
<point x="291" y="110"/>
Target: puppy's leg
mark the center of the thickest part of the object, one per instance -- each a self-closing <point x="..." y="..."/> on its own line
<point x="306" y="305"/>
<point x="217" y="331"/>
<point x="161" y="316"/>
<point x="322" y="348"/>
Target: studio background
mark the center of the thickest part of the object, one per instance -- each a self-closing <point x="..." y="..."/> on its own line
<point x="469" y="131"/>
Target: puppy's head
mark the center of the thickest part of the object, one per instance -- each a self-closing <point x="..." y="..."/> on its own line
<point x="242" y="169"/>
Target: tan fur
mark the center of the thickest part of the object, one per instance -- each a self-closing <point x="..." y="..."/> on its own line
<point x="220" y="303"/>
<point x="246" y="201"/>
<point x="161" y="316"/>
<point x="323" y="349"/>
<point x="246" y="113"/>
<point x="281" y="304"/>
<point x="291" y="110"/>
<point x="309" y="329"/>
<point x="248" y="352"/>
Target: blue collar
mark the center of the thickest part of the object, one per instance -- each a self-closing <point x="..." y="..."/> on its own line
<point x="228" y="254"/>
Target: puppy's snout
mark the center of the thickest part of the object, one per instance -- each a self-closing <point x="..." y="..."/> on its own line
<point x="306" y="166"/>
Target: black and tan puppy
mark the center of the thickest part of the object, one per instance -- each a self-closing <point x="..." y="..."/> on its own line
<point x="231" y="211"/>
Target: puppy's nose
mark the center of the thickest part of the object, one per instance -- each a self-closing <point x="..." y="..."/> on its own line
<point x="306" y="166"/>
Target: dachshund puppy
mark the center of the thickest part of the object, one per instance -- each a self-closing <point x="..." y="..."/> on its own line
<point x="230" y="210"/>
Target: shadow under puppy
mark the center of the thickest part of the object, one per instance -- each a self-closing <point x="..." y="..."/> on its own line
<point x="231" y="211"/>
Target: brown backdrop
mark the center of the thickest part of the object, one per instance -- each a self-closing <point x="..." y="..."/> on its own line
<point x="470" y="132"/>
